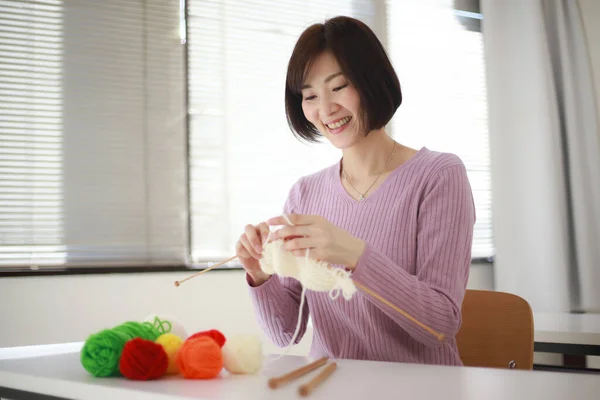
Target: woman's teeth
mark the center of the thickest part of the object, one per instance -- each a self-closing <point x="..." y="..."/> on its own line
<point x="340" y="123"/>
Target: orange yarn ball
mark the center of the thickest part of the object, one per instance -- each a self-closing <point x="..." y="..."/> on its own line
<point x="200" y="358"/>
<point x="215" y="334"/>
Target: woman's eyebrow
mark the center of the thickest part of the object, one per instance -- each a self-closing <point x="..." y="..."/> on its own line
<point x="330" y="77"/>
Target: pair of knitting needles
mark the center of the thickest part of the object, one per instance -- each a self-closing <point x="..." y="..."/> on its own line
<point x="438" y="335"/>
<point x="307" y="388"/>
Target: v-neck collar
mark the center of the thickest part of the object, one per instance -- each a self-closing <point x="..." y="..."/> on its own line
<point x="347" y="197"/>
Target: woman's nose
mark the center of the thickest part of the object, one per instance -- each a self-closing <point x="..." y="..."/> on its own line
<point x="328" y="108"/>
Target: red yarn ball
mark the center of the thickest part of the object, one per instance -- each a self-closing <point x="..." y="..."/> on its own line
<point x="216" y="335"/>
<point x="200" y="358"/>
<point x="143" y="360"/>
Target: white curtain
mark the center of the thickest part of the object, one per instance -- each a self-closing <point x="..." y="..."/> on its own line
<point x="439" y="58"/>
<point x="545" y="154"/>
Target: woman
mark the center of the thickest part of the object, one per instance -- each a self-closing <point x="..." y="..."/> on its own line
<point x="399" y="219"/>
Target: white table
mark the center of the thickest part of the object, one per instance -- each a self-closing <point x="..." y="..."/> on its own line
<point x="575" y="335"/>
<point x="580" y="329"/>
<point x="61" y="375"/>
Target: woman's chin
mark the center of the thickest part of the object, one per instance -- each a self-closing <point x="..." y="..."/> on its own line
<point x="344" y="139"/>
<point x="340" y="142"/>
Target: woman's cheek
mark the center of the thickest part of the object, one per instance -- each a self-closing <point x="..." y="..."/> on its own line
<point x="309" y="113"/>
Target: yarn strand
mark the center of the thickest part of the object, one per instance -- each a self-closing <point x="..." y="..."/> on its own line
<point x="299" y="321"/>
<point x="297" y="330"/>
<point x="160" y="324"/>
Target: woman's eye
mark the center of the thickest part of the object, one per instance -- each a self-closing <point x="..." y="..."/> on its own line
<point x="337" y="89"/>
<point x="310" y="97"/>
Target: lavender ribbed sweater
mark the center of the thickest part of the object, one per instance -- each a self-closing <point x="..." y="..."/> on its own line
<point x="418" y="228"/>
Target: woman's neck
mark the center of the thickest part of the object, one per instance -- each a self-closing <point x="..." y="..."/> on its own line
<point x="369" y="157"/>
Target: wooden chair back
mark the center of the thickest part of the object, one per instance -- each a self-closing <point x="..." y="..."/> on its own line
<point x="496" y="331"/>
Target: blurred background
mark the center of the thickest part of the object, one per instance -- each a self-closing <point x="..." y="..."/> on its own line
<point x="139" y="137"/>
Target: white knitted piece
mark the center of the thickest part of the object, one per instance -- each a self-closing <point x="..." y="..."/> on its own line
<point x="312" y="274"/>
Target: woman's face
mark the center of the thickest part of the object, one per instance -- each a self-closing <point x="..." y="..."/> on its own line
<point x="331" y="103"/>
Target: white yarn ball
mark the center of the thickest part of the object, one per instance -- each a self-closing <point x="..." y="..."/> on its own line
<point x="242" y="354"/>
<point x="176" y="326"/>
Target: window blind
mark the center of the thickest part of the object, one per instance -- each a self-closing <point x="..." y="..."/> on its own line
<point x="243" y="158"/>
<point x="92" y="126"/>
<point x="31" y="40"/>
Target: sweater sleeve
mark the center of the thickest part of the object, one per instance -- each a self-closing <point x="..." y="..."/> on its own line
<point x="277" y="301"/>
<point x="434" y="294"/>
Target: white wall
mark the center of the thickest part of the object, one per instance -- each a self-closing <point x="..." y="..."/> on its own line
<point x="56" y="309"/>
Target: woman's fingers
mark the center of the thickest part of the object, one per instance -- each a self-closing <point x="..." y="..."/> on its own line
<point x="263" y="230"/>
<point x="241" y="251"/>
<point x="288" y="232"/>
<point x="253" y="239"/>
<point x="299" y="244"/>
<point x="249" y="247"/>
<point x="294" y="219"/>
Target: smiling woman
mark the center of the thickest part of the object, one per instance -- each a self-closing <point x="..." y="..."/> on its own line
<point x="398" y="220"/>
<point x="338" y="62"/>
<point x="330" y="103"/>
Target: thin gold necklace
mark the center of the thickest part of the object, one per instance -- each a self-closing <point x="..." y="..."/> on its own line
<point x="362" y="195"/>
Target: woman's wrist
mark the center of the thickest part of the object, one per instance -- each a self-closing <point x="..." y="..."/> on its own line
<point x="258" y="278"/>
<point x="355" y="254"/>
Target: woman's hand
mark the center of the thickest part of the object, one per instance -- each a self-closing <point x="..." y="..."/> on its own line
<point x="249" y="250"/>
<point x="325" y="241"/>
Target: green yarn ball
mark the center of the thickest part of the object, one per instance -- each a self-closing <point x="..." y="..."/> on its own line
<point x="102" y="351"/>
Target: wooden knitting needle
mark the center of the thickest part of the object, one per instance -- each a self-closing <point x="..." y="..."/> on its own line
<point x="439" y="336"/>
<point x="309" y="387"/>
<point x="274" y="383"/>
<point x="177" y="283"/>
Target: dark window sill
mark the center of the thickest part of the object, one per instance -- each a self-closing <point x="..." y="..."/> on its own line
<point x="52" y="271"/>
<point x="483" y="260"/>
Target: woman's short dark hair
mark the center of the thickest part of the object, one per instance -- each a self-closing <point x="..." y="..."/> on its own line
<point x="363" y="61"/>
